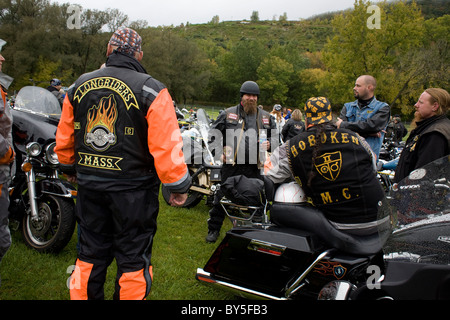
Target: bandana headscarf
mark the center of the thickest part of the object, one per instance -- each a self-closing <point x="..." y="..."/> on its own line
<point x="127" y="40"/>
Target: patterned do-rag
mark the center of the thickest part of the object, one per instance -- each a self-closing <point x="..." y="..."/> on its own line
<point x="127" y="40"/>
<point x="318" y="110"/>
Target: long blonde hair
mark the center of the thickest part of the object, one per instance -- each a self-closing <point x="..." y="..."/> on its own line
<point x="297" y="115"/>
<point x="442" y="97"/>
<point x="277" y="115"/>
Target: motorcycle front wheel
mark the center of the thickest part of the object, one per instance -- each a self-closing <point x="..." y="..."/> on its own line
<point x="54" y="227"/>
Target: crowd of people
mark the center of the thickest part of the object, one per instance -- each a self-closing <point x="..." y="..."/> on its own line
<point x="333" y="160"/>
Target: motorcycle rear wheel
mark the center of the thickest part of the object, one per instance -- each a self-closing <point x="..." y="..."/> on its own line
<point x="55" y="226"/>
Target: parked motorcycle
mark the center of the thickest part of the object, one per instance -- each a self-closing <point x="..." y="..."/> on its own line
<point x="391" y="149"/>
<point x="205" y="172"/>
<point x="386" y="173"/>
<point x="388" y="160"/>
<point x="41" y="203"/>
<point x="300" y="255"/>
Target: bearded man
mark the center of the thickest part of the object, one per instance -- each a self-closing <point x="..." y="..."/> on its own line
<point x="239" y="132"/>
<point x="430" y="138"/>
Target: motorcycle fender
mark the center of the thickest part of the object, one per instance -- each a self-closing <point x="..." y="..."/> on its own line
<point x="57" y="187"/>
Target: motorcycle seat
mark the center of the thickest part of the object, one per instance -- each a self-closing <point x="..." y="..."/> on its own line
<point x="308" y="218"/>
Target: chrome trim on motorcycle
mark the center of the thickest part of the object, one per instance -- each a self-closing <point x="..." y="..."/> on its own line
<point x="50" y="153"/>
<point x="33" y="149"/>
<point x="31" y="182"/>
<point x="235" y="289"/>
<point x="297" y="284"/>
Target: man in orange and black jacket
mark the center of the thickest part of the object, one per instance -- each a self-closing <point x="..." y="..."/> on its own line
<point x="119" y="134"/>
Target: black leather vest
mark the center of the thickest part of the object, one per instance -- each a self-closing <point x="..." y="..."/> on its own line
<point x="243" y="135"/>
<point x="344" y="185"/>
<point x="110" y="125"/>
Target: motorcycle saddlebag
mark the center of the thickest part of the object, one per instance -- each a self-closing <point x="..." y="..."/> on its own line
<point x="264" y="260"/>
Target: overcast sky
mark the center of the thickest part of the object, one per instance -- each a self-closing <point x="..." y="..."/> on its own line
<point x="175" y="12"/>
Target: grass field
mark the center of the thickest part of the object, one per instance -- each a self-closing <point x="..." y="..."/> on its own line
<point x="179" y="249"/>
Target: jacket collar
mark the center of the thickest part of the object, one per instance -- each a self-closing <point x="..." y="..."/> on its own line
<point x="423" y="124"/>
<point x="121" y="60"/>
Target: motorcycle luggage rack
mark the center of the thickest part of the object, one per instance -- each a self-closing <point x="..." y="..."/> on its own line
<point x="246" y="217"/>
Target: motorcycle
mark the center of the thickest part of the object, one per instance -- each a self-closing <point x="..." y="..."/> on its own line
<point x="386" y="173"/>
<point x="298" y="254"/>
<point x="41" y="203"/>
<point x="391" y="149"/>
<point x="387" y="162"/>
<point x="205" y="172"/>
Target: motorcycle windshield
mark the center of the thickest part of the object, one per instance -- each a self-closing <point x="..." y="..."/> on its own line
<point x="420" y="216"/>
<point x="37" y="100"/>
<point x="203" y="123"/>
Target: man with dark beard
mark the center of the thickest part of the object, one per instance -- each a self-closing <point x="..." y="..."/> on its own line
<point x="239" y="131"/>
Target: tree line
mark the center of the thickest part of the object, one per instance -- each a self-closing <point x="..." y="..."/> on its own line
<point x="397" y="43"/>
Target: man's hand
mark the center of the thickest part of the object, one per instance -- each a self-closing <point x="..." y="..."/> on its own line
<point x="338" y="122"/>
<point x="177" y="199"/>
<point x="266" y="145"/>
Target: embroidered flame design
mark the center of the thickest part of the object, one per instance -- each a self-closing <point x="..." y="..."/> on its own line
<point x="105" y="114"/>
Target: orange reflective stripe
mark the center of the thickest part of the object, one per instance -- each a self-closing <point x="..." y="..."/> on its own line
<point x="133" y="285"/>
<point x="3" y="93"/>
<point x="79" y="280"/>
<point x="65" y="135"/>
<point x="268" y="165"/>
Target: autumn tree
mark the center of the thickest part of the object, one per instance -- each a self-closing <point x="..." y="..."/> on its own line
<point x="376" y="40"/>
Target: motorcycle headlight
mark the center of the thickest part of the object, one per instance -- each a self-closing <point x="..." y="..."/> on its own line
<point x="50" y="153"/>
<point x="33" y="149"/>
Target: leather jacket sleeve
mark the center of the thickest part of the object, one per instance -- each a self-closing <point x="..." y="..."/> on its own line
<point x="65" y="136"/>
<point x="373" y="125"/>
<point x="166" y="145"/>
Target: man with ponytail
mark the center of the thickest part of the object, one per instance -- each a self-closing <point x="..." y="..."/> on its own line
<point x="430" y="138"/>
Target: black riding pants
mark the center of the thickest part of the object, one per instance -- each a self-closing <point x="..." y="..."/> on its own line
<point x="118" y="225"/>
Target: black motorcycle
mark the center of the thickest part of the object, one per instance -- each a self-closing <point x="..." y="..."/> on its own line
<point x="204" y="171"/>
<point x="391" y="149"/>
<point x="298" y="254"/>
<point x="41" y="203"/>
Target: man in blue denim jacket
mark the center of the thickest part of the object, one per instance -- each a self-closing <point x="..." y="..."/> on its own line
<point x="366" y="115"/>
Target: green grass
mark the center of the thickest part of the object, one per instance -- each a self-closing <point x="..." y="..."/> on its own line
<point x="179" y="249"/>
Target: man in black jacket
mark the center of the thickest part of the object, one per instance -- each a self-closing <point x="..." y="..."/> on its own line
<point x="118" y="132"/>
<point x="334" y="167"/>
<point x="237" y="131"/>
<point x="430" y="140"/>
<point x="55" y="88"/>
